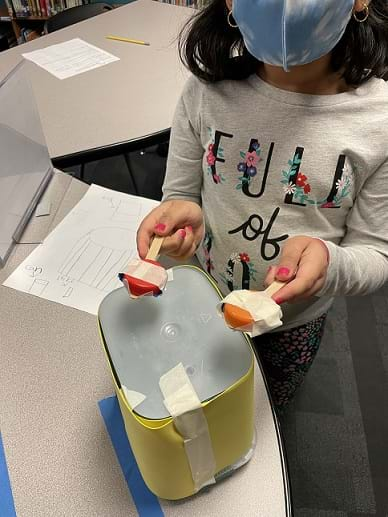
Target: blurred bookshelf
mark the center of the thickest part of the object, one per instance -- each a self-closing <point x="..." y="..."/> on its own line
<point x="23" y="20"/>
<point x="197" y="4"/>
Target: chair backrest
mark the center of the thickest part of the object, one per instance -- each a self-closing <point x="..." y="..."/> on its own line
<point x="75" y="15"/>
<point x="3" y="42"/>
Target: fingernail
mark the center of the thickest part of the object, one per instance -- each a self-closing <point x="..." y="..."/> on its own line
<point x="277" y="300"/>
<point x="284" y="271"/>
<point x="189" y="228"/>
<point x="269" y="269"/>
<point x="160" y="227"/>
<point x="182" y="233"/>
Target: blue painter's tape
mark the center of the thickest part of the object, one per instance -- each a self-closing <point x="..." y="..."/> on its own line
<point x="6" y="499"/>
<point x="146" y="502"/>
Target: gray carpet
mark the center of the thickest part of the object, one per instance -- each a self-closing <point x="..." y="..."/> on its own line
<point x="336" y="429"/>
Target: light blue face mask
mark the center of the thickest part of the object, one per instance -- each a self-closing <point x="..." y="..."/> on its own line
<point x="291" y="32"/>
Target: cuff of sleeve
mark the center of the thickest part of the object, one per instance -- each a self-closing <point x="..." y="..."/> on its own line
<point x="331" y="275"/>
<point x="182" y="197"/>
<point x="325" y="245"/>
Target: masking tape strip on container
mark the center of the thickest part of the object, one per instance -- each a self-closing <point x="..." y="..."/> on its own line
<point x="134" y="398"/>
<point x="185" y="408"/>
<point x="266" y="314"/>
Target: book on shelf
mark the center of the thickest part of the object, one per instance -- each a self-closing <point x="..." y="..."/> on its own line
<point x="28" y="35"/>
<point x="38" y="8"/>
<point x="197" y="4"/>
<point x="9" y="7"/>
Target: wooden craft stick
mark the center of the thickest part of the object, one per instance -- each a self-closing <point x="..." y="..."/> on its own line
<point x="274" y="287"/>
<point x="156" y="244"/>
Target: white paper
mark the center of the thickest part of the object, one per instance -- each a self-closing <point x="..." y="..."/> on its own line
<point x="43" y="208"/>
<point x="78" y="262"/>
<point x="70" y="58"/>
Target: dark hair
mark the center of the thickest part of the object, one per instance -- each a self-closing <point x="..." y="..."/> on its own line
<point x="208" y="43"/>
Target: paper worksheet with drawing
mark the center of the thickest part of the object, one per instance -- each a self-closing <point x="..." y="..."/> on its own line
<point x="78" y="262"/>
<point x="70" y="58"/>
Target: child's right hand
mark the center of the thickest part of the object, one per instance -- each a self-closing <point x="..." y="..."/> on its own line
<point x="182" y="223"/>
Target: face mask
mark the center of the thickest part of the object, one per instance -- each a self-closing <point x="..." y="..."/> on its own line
<point x="291" y="32"/>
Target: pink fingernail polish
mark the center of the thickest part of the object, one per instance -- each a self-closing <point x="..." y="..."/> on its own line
<point x="284" y="271"/>
<point x="160" y="227"/>
<point x="189" y="228"/>
<point x="277" y="300"/>
<point x="182" y="233"/>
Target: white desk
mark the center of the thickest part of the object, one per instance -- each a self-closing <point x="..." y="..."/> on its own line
<point x="60" y="458"/>
<point x="123" y="102"/>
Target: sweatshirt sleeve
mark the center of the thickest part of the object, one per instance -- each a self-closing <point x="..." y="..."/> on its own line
<point x="184" y="164"/>
<point x="359" y="265"/>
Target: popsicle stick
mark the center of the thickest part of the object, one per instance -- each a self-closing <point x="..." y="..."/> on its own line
<point x="156" y="244"/>
<point x="152" y="254"/>
<point x="274" y="287"/>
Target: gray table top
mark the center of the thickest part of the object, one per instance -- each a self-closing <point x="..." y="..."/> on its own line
<point x="54" y="372"/>
<point x="123" y="101"/>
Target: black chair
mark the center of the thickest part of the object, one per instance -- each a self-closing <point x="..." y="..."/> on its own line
<point x="75" y="15"/>
<point x="3" y="42"/>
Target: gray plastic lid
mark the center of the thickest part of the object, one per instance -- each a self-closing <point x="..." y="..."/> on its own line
<point x="148" y="336"/>
<point x="25" y="165"/>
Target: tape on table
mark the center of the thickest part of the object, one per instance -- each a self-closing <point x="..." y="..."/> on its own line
<point x="7" y="506"/>
<point x="147" y="504"/>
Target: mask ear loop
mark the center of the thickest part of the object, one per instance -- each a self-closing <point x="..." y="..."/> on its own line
<point x="366" y="15"/>
<point x="228" y="19"/>
<point x="284" y="42"/>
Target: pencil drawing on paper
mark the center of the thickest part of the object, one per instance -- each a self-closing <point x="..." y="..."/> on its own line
<point x="97" y="258"/>
<point x="123" y="211"/>
<point x="64" y="280"/>
<point x="38" y="286"/>
<point x="33" y="271"/>
<point x="78" y="263"/>
<point x="68" y="292"/>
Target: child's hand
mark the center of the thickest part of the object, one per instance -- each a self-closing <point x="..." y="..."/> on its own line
<point x="181" y="221"/>
<point x="303" y="263"/>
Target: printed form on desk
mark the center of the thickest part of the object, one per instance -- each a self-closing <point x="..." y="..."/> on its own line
<point x="78" y="262"/>
<point x="70" y="58"/>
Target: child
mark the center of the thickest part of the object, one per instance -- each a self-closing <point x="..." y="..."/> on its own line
<point x="278" y="161"/>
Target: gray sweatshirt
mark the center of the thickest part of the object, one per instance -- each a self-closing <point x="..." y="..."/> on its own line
<point x="267" y="164"/>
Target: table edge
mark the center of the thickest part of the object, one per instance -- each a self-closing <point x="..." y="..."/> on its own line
<point x="288" y="499"/>
<point x="109" y="150"/>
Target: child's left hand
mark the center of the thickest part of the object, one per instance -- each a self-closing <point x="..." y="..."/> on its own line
<point x="303" y="263"/>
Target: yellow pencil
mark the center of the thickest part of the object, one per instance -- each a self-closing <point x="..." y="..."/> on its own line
<point x="127" y="40"/>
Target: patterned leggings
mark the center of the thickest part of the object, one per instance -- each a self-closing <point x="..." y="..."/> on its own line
<point x="287" y="356"/>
